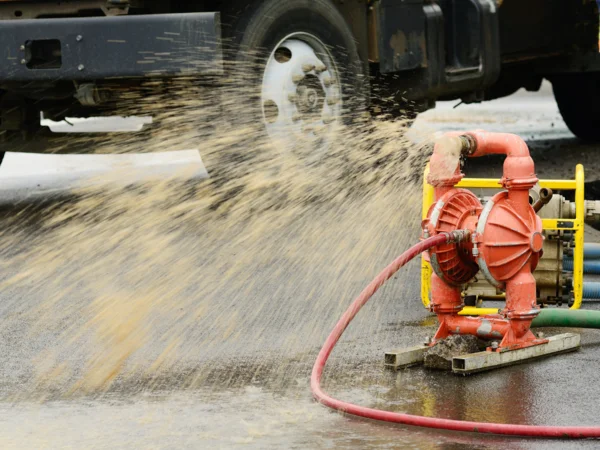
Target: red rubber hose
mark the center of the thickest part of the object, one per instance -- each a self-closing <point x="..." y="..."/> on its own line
<point x="409" y="419"/>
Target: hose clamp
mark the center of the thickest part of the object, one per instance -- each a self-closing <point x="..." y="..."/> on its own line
<point x="468" y="144"/>
<point x="456" y="236"/>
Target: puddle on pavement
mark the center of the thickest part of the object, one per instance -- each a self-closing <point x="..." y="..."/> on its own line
<point x="204" y="419"/>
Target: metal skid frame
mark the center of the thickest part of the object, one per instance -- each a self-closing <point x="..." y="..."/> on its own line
<point x="486" y="360"/>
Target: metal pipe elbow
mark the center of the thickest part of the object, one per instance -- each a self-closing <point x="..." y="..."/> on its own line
<point x="519" y="168"/>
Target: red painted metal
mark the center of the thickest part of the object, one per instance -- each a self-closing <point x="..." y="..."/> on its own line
<point x="457" y="209"/>
<point x="505" y="245"/>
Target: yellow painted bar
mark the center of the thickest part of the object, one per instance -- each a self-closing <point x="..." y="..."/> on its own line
<point x="565" y="185"/>
<point x="479" y="183"/>
<point x="425" y="282"/>
<point x="475" y="311"/>
<point x="491" y="183"/>
<point x="552" y="224"/>
<point x="427" y="194"/>
<point x="425" y="267"/>
<point x="578" y="250"/>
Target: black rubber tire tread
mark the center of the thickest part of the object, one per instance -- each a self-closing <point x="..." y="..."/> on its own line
<point x="578" y="100"/>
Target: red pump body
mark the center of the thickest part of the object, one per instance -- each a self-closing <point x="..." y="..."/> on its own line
<point x="505" y="245"/>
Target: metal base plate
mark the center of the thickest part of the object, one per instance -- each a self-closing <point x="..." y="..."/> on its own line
<point x="481" y="361"/>
<point x="478" y="362"/>
<point x="397" y="359"/>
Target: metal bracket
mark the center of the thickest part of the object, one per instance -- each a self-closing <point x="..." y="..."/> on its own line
<point x="481" y="361"/>
<point x="406" y="357"/>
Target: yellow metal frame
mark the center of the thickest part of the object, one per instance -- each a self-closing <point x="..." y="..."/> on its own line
<point x="576" y="185"/>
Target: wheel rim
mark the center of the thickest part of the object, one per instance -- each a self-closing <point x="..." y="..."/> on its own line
<point x="300" y="96"/>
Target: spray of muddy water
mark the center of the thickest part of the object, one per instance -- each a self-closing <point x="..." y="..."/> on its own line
<point x="449" y="150"/>
<point x="168" y="283"/>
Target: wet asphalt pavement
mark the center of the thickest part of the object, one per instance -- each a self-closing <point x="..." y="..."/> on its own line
<point x="257" y="396"/>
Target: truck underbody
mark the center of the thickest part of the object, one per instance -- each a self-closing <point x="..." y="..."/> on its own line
<point x="58" y="55"/>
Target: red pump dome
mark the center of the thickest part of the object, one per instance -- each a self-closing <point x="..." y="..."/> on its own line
<point x="507" y="240"/>
<point x="455" y="210"/>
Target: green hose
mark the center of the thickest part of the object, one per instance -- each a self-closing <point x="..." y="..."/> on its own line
<point x="573" y="318"/>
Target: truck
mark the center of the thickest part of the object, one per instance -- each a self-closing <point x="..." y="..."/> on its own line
<point x="309" y="63"/>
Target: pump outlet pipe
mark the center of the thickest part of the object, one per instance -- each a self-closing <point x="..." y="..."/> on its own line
<point x="321" y="396"/>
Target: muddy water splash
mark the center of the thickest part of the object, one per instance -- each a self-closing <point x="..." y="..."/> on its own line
<point x="168" y="283"/>
<point x="449" y="151"/>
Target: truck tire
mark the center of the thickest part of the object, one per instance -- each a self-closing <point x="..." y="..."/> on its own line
<point x="578" y="100"/>
<point x="297" y="64"/>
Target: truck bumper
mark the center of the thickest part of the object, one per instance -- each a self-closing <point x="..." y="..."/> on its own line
<point x="161" y="45"/>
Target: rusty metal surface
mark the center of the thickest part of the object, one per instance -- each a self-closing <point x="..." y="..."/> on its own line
<point x="401" y="35"/>
<point x="355" y="13"/>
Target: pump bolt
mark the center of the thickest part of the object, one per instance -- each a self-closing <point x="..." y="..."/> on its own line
<point x="427" y="340"/>
<point x="22" y="48"/>
<point x="494" y="345"/>
<point x="331" y="101"/>
<point x="293" y="98"/>
<point x="320" y="68"/>
<point x="540" y="335"/>
<point x="79" y="38"/>
<point x="307" y="67"/>
<point x="327" y="81"/>
<point x="297" y="78"/>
